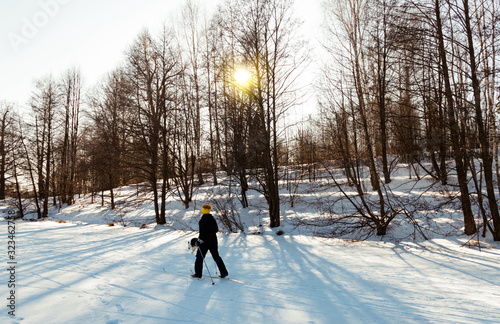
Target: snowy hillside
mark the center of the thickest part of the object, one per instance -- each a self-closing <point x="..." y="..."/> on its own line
<point x="70" y="273"/>
<point x="75" y="268"/>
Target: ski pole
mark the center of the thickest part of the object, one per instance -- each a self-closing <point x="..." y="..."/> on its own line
<point x="206" y="266"/>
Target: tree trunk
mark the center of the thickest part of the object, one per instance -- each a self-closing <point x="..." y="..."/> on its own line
<point x="483" y="134"/>
<point x="470" y="225"/>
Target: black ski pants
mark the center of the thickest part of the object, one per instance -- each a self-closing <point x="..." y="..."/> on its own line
<point x="214" y="251"/>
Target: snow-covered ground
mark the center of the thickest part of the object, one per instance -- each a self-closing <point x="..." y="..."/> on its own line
<point x="75" y="268"/>
<point x="77" y="273"/>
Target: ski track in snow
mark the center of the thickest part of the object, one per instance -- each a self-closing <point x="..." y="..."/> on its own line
<point x="74" y="273"/>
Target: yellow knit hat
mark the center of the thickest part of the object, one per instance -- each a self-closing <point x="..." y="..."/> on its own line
<point x="205" y="209"/>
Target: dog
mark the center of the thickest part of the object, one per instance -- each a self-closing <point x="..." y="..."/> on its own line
<point x="194" y="243"/>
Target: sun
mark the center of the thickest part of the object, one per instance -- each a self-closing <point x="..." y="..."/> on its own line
<point x="242" y="77"/>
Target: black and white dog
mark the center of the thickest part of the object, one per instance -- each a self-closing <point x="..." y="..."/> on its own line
<point x="194" y="243"/>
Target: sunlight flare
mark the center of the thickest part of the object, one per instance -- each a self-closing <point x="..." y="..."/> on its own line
<point x="242" y="77"/>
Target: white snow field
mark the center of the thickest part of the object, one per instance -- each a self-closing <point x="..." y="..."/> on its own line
<point x="75" y="268"/>
<point x="91" y="273"/>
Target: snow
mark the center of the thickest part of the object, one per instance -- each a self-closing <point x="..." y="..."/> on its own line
<point x="75" y="268"/>
<point x="77" y="273"/>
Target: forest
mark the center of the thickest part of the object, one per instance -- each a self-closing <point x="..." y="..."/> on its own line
<point x="399" y="82"/>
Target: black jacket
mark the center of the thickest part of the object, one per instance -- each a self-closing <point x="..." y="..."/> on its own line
<point x="208" y="229"/>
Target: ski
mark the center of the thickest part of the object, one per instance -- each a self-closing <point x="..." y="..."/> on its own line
<point x="205" y="277"/>
<point x="228" y="279"/>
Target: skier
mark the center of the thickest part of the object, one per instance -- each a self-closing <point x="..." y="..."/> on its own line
<point x="207" y="241"/>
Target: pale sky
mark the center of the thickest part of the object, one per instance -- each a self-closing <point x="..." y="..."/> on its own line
<point x="42" y="37"/>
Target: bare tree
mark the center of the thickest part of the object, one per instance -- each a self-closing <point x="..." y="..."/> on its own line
<point x="485" y="152"/>
<point x="470" y="226"/>
<point x="44" y="104"/>
<point x="382" y="47"/>
<point x="267" y="42"/>
<point x="110" y="110"/>
<point x="154" y="70"/>
<point x="71" y="89"/>
<point x="6" y="144"/>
